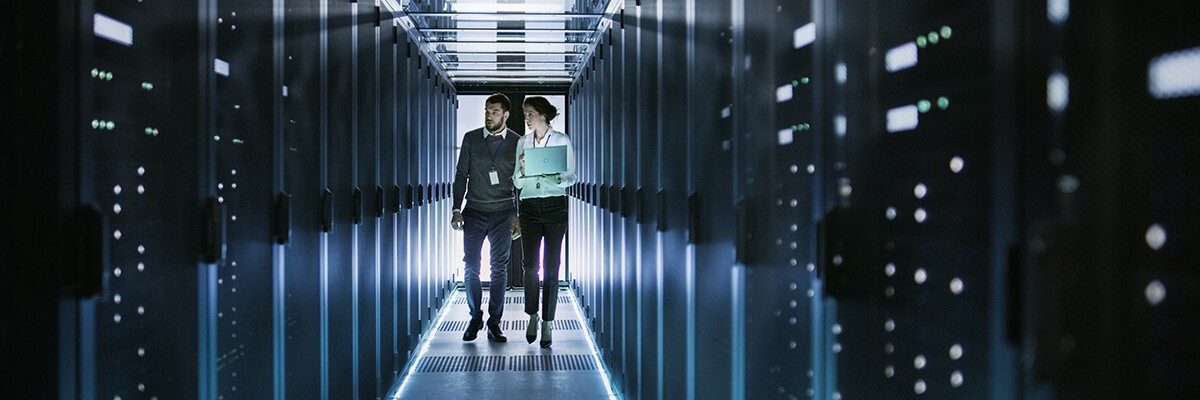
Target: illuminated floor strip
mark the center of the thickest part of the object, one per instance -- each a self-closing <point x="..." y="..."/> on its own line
<point x="446" y="366"/>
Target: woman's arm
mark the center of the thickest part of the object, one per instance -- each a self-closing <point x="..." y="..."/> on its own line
<point x="519" y="169"/>
<point x="566" y="179"/>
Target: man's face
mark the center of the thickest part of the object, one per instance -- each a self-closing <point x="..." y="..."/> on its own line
<point x="494" y="117"/>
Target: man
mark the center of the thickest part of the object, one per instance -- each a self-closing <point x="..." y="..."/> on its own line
<point x="484" y="175"/>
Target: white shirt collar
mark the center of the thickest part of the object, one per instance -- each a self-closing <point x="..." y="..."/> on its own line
<point x="549" y="134"/>
<point x="503" y="132"/>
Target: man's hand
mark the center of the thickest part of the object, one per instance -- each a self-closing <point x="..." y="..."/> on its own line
<point x="516" y="233"/>
<point x="456" y="221"/>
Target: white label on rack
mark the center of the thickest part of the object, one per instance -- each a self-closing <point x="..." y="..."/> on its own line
<point x="902" y="119"/>
<point x="220" y="67"/>
<point x="783" y="93"/>
<point x="108" y="28"/>
<point x="805" y="35"/>
<point x="1175" y="74"/>
<point x="901" y="57"/>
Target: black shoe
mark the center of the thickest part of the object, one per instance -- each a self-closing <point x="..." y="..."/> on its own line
<point x="472" y="330"/>
<point x="494" y="334"/>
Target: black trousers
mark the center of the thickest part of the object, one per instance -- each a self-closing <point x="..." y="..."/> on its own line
<point x="542" y="220"/>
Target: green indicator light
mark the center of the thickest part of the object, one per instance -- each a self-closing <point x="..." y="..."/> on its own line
<point x="804" y="80"/>
<point x="933" y="37"/>
<point x="237" y="107"/>
<point x="795" y="83"/>
<point x="946" y="32"/>
<point x="149" y="130"/>
<point x="943" y="102"/>
<point x="147" y="86"/>
<point x="923" y="106"/>
<point x="921" y="42"/>
<point x="217" y="138"/>
<point x="238" y="141"/>
<point x="95" y="72"/>
<point x="795" y="128"/>
<point x="108" y="76"/>
<point x="110" y="125"/>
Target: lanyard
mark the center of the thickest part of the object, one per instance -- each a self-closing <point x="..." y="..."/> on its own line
<point x="544" y="145"/>
<point x="498" y="148"/>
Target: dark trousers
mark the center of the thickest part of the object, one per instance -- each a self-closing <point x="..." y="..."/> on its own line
<point x="542" y="219"/>
<point x="497" y="228"/>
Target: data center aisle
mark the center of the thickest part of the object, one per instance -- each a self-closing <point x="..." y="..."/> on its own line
<point x="449" y="367"/>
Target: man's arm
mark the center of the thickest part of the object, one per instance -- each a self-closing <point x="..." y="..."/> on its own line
<point x="462" y="172"/>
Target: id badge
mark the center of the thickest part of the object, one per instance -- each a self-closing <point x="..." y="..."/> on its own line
<point x="495" y="177"/>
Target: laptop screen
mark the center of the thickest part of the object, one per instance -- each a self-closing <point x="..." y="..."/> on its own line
<point x="545" y="160"/>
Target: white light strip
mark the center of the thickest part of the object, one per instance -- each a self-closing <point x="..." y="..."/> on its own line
<point x="901" y="57"/>
<point x="220" y="67"/>
<point x="805" y="35"/>
<point x="839" y="123"/>
<point x="1176" y="74"/>
<point x="783" y="93"/>
<point x="507" y="8"/>
<point x="107" y="28"/>
<point x="515" y="73"/>
<point x="785" y="136"/>
<point x="425" y="343"/>
<point x="591" y="344"/>
<point x="904" y="118"/>
<point x="487" y="79"/>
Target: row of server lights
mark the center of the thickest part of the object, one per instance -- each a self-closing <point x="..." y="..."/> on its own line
<point x="256" y="205"/>
<point x="836" y="200"/>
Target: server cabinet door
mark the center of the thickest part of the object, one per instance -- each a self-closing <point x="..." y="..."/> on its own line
<point x="304" y="129"/>
<point x="920" y="306"/>
<point x="710" y="212"/>
<point x="674" y="135"/>
<point x="627" y="46"/>
<point x="648" y="183"/>
<point x="1108" y="292"/>
<point x="245" y="96"/>
<point x="140" y="142"/>
<point x="389" y="205"/>
<point x="365" y="262"/>
<point x="339" y="274"/>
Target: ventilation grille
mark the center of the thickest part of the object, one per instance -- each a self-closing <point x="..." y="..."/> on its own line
<point x="511" y="300"/>
<point x="545" y="362"/>
<point x="461" y="364"/>
<point x="573" y="362"/>
<point x="511" y="325"/>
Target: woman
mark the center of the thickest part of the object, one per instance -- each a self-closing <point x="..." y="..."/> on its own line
<point x="542" y="214"/>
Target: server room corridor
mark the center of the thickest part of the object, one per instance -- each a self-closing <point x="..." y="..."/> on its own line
<point x="764" y="199"/>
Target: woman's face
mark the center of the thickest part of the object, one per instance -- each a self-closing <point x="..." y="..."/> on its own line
<point x="533" y="119"/>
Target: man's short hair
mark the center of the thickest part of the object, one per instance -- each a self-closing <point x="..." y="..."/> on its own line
<point x="501" y="99"/>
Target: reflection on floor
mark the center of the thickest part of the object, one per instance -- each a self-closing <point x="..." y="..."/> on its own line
<point x="449" y="367"/>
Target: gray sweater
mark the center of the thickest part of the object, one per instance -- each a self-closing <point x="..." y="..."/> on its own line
<point x="471" y="177"/>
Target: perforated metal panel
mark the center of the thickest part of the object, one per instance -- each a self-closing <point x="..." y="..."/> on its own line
<point x="462" y="364"/>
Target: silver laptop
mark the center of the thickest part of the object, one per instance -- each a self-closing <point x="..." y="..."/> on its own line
<point x="545" y="160"/>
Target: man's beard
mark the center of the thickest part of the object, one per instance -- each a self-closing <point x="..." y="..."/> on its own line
<point x="492" y="128"/>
